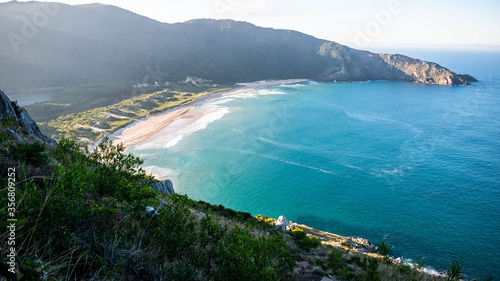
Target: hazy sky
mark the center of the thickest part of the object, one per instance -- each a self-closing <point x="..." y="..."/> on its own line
<point x="358" y="23"/>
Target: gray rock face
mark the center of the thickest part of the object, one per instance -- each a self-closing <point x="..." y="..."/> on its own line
<point x="25" y="121"/>
<point x="164" y="187"/>
<point x="282" y="223"/>
<point x="303" y="264"/>
<point x="6" y="109"/>
<point x="22" y="119"/>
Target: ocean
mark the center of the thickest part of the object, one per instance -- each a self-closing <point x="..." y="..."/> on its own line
<point x="416" y="165"/>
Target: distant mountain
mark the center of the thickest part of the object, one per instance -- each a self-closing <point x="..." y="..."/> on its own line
<point x="53" y="44"/>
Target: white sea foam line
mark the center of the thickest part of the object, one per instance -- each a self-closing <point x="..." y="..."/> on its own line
<point x="257" y="93"/>
<point x="426" y="269"/>
<point x="173" y="142"/>
<point x="367" y="118"/>
<point x="293" y="85"/>
<point x="302" y="148"/>
<point x="161" y="173"/>
<point x="283" y="161"/>
<point x="297" y="164"/>
<point x="205" y="120"/>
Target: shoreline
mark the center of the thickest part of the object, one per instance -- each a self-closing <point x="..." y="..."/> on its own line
<point x="164" y="126"/>
<point x="176" y="119"/>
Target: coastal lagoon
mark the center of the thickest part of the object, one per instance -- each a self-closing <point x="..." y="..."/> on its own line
<point x="416" y="165"/>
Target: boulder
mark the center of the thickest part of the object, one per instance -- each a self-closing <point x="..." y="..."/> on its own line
<point x="399" y="261"/>
<point x="164" y="187"/>
<point x="150" y="211"/>
<point x="282" y="223"/>
<point x="303" y="264"/>
<point x="199" y="216"/>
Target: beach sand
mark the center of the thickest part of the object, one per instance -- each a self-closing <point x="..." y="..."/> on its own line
<point x="170" y="122"/>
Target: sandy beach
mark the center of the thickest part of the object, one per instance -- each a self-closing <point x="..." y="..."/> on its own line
<point x="177" y="119"/>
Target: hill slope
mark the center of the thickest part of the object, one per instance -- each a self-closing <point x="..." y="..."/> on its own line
<point x="52" y="44"/>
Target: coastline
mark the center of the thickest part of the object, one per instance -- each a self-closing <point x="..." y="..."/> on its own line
<point x="164" y="127"/>
<point x="179" y="118"/>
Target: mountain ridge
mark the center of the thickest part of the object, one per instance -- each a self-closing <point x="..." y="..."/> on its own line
<point x="95" y="43"/>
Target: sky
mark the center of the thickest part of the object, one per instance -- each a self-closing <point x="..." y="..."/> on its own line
<point x="356" y="23"/>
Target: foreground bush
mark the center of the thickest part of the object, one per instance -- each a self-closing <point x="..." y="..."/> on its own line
<point x="87" y="220"/>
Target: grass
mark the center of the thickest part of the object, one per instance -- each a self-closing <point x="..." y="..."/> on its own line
<point x="90" y="125"/>
<point x="86" y="220"/>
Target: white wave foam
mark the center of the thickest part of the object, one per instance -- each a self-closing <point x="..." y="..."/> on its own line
<point x="256" y="93"/>
<point x="293" y="85"/>
<point x="391" y="171"/>
<point x="203" y="122"/>
<point x="173" y="142"/>
<point x="283" y="161"/>
<point x="171" y="135"/>
<point x="432" y="271"/>
<point x="302" y="148"/>
<point x="297" y="164"/>
<point x="161" y="173"/>
<point x="425" y="269"/>
<point x="368" y="118"/>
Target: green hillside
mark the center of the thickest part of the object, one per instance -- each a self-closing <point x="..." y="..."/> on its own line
<point x="82" y="44"/>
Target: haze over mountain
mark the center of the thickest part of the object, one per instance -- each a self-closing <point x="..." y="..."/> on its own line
<point x="49" y="44"/>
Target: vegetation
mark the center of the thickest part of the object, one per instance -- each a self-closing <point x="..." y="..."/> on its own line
<point x="87" y="220"/>
<point x="304" y="241"/>
<point x="454" y="272"/>
<point x="383" y="249"/>
<point x="90" y="125"/>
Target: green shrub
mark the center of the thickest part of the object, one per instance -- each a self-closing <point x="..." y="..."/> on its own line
<point x="335" y="260"/>
<point x="357" y="260"/>
<point x="404" y="269"/>
<point x="454" y="272"/>
<point x="182" y="270"/>
<point x="371" y="269"/>
<point x="29" y="153"/>
<point x="347" y="274"/>
<point x="88" y="222"/>
<point x="383" y="249"/>
<point x="308" y="243"/>
<point x="298" y="233"/>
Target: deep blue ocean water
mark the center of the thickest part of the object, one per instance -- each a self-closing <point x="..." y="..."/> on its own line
<point x="416" y="165"/>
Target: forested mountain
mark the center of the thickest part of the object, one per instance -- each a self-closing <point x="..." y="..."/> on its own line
<point x="53" y="44"/>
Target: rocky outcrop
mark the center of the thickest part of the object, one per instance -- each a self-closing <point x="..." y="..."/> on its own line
<point x="282" y="223"/>
<point x="349" y="65"/>
<point x="164" y="187"/>
<point x="426" y="72"/>
<point x="6" y="109"/>
<point x="25" y="126"/>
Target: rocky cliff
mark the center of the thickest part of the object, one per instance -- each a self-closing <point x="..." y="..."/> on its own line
<point x="426" y="72"/>
<point x="24" y="127"/>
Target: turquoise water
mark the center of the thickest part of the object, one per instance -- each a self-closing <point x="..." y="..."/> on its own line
<point x="417" y="165"/>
